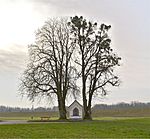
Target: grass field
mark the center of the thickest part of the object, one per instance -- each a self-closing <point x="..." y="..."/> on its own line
<point x="126" y="112"/>
<point x="124" y="123"/>
<point x="100" y="128"/>
<point x="122" y="112"/>
<point x="26" y="115"/>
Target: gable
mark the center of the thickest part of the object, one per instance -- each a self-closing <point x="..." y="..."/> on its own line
<point x="75" y="104"/>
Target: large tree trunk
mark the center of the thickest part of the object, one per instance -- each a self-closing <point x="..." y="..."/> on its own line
<point x="86" y="107"/>
<point x="84" y="98"/>
<point x="87" y="114"/>
<point x="87" y="110"/>
<point x="62" y="109"/>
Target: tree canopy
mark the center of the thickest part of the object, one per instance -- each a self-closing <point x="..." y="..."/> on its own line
<point x="50" y="71"/>
<point x="95" y="58"/>
<point x="66" y="52"/>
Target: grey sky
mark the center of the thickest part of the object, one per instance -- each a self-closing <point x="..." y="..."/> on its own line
<point x="130" y="35"/>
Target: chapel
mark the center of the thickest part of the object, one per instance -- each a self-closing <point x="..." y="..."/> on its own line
<point x="75" y="110"/>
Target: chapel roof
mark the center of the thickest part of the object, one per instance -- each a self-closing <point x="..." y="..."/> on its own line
<point x="75" y="102"/>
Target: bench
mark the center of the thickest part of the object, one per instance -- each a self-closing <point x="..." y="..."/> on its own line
<point x="45" y="118"/>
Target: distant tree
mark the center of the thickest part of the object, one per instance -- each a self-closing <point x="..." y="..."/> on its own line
<point x="95" y="57"/>
<point x="50" y="72"/>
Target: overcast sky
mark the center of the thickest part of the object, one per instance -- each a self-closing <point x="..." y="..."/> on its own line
<point x="130" y="34"/>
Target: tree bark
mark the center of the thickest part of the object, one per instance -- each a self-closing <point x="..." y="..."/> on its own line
<point x="87" y="114"/>
<point x="62" y="109"/>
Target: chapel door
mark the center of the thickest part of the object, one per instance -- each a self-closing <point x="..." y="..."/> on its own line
<point x="75" y="112"/>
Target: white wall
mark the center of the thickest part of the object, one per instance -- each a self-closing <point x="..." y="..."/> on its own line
<point x="71" y="108"/>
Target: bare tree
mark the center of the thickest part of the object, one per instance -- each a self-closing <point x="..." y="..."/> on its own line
<point x="95" y="58"/>
<point x="50" y="72"/>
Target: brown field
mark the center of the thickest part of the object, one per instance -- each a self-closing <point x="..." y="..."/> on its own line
<point x="126" y="112"/>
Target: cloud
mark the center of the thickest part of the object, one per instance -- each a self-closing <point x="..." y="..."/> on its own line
<point x="49" y="8"/>
<point x="13" y="58"/>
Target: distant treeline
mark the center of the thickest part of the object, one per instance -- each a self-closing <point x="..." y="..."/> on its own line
<point x="121" y="105"/>
<point x="18" y="109"/>
<point x="96" y="107"/>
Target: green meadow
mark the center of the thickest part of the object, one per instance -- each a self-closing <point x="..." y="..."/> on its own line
<point x="107" y="127"/>
<point x="127" y="123"/>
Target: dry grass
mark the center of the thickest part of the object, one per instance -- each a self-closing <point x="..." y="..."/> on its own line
<point x="126" y="112"/>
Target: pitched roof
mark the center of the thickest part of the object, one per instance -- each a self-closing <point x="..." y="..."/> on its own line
<point x="75" y="102"/>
